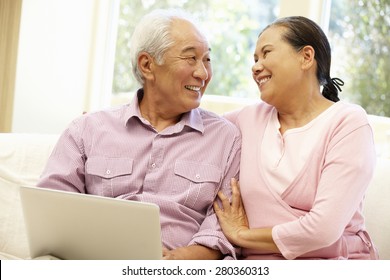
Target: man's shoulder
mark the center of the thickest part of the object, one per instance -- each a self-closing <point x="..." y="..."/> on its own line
<point x="94" y="121"/>
<point x="212" y="119"/>
<point x="109" y="112"/>
<point x="112" y="113"/>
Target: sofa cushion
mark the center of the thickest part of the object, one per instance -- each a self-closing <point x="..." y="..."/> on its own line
<point x="23" y="156"/>
<point x="13" y="240"/>
<point x="22" y="159"/>
<point x="377" y="208"/>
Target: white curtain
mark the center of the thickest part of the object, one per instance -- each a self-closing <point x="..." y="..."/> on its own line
<point x="10" y="11"/>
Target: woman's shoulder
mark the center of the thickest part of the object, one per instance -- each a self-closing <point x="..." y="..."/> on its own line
<point x="249" y="112"/>
<point x="350" y="112"/>
<point x="346" y="119"/>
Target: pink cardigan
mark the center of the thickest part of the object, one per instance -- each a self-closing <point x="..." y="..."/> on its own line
<point x="319" y="216"/>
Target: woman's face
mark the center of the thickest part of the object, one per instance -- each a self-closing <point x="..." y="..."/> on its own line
<point x="277" y="70"/>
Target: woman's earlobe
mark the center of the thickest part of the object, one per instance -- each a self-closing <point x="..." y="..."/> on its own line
<point x="308" y="54"/>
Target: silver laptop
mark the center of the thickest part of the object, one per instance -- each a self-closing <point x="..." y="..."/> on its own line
<point x="75" y="226"/>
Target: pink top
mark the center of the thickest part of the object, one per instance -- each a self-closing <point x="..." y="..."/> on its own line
<point x="285" y="155"/>
<point x="317" y="211"/>
<point x="117" y="153"/>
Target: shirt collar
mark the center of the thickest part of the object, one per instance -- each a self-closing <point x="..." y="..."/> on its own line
<point x="133" y="108"/>
<point x="192" y="119"/>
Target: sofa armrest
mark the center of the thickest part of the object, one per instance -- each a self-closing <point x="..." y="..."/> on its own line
<point x="377" y="209"/>
<point x="22" y="159"/>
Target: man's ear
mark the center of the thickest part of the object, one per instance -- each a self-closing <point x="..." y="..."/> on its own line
<point x="307" y="53"/>
<point x="145" y="64"/>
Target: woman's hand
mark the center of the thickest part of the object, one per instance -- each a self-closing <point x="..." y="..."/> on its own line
<point x="232" y="216"/>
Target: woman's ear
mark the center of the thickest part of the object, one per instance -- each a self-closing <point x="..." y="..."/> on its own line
<point x="145" y="62"/>
<point x="307" y="53"/>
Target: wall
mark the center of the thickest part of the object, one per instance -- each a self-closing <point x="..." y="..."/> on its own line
<point x="317" y="10"/>
<point x="58" y="66"/>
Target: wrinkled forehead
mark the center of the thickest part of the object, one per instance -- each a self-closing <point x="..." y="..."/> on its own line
<point x="188" y="37"/>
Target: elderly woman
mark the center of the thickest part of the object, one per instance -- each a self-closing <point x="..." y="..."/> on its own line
<point x="307" y="158"/>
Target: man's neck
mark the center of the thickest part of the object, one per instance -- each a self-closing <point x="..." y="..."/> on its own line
<point x="156" y="115"/>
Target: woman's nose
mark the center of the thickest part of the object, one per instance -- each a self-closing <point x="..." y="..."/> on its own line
<point x="257" y="67"/>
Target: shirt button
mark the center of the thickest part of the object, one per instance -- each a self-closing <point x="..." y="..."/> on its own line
<point x="108" y="171"/>
<point x="153" y="165"/>
<point x="197" y="176"/>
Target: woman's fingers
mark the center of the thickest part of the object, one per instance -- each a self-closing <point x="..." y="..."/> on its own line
<point x="217" y="209"/>
<point x="226" y="205"/>
<point x="236" y="195"/>
<point x="224" y="200"/>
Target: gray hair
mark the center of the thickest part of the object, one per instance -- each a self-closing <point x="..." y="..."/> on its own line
<point x="152" y="35"/>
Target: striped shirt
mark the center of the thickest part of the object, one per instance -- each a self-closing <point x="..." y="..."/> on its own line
<point x="117" y="153"/>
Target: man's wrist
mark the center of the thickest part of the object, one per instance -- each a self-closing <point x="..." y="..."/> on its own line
<point x="194" y="252"/>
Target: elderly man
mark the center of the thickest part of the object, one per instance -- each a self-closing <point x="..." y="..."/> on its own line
<point x="160" y="148"/>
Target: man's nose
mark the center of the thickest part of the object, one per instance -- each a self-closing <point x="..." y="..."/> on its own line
<point x="201" y="71"/>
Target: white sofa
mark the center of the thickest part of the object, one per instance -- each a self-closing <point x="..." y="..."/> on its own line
<point x="23" y="156"/>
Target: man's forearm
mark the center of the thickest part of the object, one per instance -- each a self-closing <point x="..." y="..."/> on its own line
<point x="193" y="252"/>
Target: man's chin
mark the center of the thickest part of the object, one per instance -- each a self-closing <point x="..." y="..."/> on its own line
<point x="192" y="105"/>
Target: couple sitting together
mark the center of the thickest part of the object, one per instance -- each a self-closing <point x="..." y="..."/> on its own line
<point x="281" y="179"/>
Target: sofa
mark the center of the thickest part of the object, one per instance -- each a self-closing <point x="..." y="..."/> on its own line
<point x="23" y="157"/>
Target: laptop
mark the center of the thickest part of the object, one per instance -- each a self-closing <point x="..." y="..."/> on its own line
<point x="74" y="226"/>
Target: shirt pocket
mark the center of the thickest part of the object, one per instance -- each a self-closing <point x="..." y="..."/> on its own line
<point x="109" y="177"/>
<point x="196" y="184"/>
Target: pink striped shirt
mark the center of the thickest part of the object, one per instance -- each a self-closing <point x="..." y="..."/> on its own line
<point x="117" y="153"/>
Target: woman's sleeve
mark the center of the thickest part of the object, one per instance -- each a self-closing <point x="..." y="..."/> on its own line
<point x="346" y="173"/>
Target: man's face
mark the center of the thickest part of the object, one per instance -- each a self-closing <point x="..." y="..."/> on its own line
<point x="182" y="78"/>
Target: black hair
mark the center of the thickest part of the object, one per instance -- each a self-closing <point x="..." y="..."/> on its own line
<point x="301" y="32"/>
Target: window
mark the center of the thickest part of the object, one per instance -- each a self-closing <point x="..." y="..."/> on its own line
<point x="233" y="27"/>
<point x="359" y="33"/>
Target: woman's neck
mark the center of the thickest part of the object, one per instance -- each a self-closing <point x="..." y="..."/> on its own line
<point x="303" y="113"/>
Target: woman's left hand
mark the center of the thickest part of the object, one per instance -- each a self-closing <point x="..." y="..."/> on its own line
<point x="232" y="216"/>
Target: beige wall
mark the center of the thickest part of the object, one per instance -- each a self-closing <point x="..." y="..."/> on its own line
<point x="308" y="8"/>
<point x="63" y="61"/>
